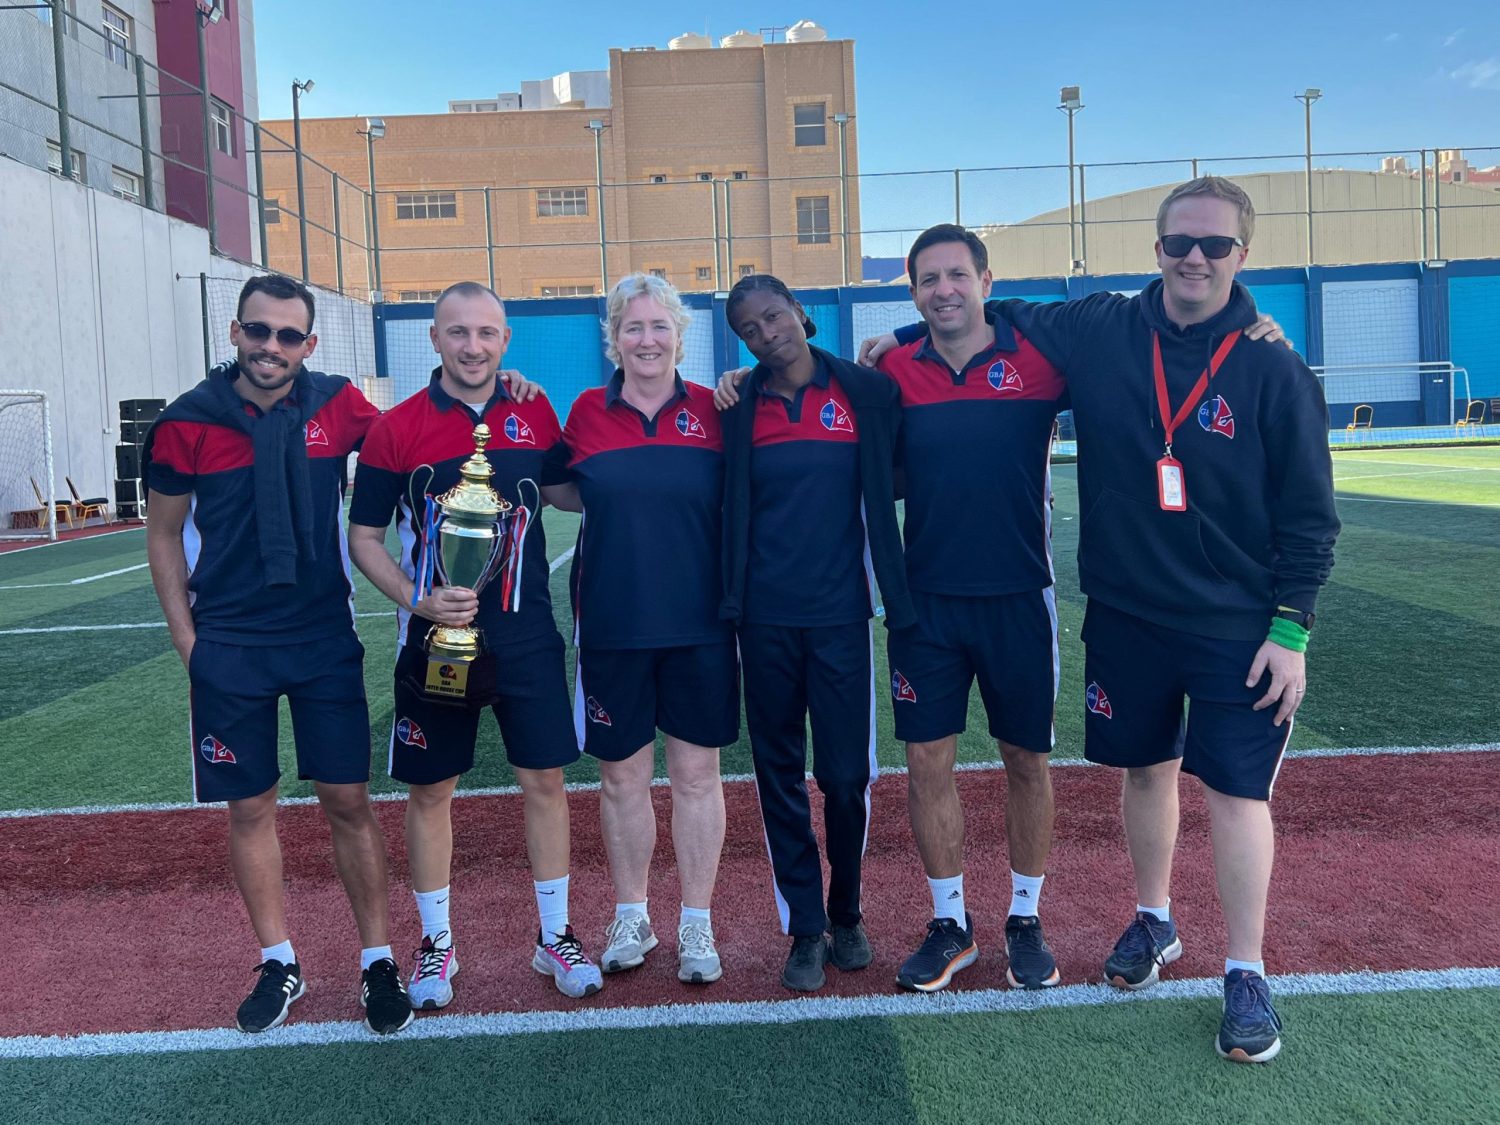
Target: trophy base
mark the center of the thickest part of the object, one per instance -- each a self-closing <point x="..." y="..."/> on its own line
<point x="459" y="670"/>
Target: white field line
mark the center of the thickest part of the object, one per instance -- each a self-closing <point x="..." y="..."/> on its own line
<point x="551" y="569"/>
<point x="65" y="542"/>
<point x="736" y="1014"/>
<point x="1340" y="479"/>
<point x="729" y="779"/>
<point x="1423" y="503"/>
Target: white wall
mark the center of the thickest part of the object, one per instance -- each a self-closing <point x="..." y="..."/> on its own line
<point x="99" y="301"/>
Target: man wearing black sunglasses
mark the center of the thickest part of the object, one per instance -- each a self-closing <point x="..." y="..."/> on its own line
<point x="1208" y="524"/>
<point x="245" y="494"/>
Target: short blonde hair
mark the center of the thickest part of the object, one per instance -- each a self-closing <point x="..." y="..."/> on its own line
<point x="1219" y="188"/>
<point x="659" y="290"/>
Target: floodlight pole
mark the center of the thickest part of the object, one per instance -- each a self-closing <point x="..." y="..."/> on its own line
<point x="597" y="126"/>
<point x="1307" y="97"/>
<point x="202" y="19"/>
<point x="1070" y="102"/>
<point x="374" y="129"/>
<point x="298" y="89"/>
<point x="842" y="121"/>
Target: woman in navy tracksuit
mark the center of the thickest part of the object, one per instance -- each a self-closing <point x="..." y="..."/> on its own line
<point x="810" y="525"/>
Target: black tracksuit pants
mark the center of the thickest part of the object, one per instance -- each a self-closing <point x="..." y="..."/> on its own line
<point x="789" y="673"/>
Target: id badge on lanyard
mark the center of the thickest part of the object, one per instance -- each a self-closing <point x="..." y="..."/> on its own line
<point x="1171" y="480"/>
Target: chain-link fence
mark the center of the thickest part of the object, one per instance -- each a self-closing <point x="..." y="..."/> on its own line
<point x="97" y="99"/>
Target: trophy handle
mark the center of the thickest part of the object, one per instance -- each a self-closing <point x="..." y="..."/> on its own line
<point x="428" y="517"/>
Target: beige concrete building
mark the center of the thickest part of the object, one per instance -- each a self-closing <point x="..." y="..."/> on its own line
<point x="1358" y="217"/>
<point x="716" y="162"/>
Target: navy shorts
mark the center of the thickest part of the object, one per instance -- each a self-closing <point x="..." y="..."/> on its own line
<point x="236" y="692"/>
<point x="1008" y="641"/>
<point x="1137" y="676"/>
<point x="431" y="742"/>
<point x="622" y="697"/>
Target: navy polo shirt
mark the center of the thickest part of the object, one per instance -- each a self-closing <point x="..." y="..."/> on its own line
<point x="976" y="447"/>
<point x="226" y="582"/>
<point x="418" y="448"/>
<point x="646" y="573"/>
<point x="809" y="560"/>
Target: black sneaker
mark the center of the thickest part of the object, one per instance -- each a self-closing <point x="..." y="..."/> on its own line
<point x="1250" y="1030"/>
<point x="850" y="949"/>
<point x="1147" y="944"/>
<point x="271" y="999"/>
<point x="1031" y="962"/>
<point x="947" y="948"/>
<point x="804" y="964"/>
<point x="387" y="1004"/>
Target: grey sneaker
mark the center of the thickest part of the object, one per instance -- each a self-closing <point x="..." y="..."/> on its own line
<point x="698" y="959"/>
<point x="804" y="964"/>
<point x="572" y="971"/>
<point x="431" y="983"/>
<point x="628" y="940"/>
<point x="850" y="949"/>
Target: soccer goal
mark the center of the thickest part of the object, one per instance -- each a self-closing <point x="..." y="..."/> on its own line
<point x="28" y="500"/>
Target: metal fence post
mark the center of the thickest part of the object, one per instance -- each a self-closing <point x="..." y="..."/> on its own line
<point x="1083" y="221"/>
<point x="728" y="231"/>
<point x="713" y="206"/>
<point x="208" y="140"/>
<point x="1437" y="206"/>
<point x="1422" y="192"/>
<point x="60" y="72"/>
<point x="208" y="352"/>
<point x="260" y="196"/>
<point x="338" y="237"/>
<point x="489" y="239"/>
<point x="958" y="209"/>
<point x="148" y="188"/>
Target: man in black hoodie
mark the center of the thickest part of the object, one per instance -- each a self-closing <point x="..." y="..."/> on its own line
<point x="245" y="476"/>
<point x="1208" y="523"/>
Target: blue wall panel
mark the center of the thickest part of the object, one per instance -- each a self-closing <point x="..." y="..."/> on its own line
<point x="1474" y="328"/>
<point x="562" y="353"/>
<point x="1288" y="304"/>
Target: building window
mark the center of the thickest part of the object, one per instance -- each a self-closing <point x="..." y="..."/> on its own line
<point x="567" y="290"/>
<point x="658" y="179"/>
<point x="705" y="176"/>
<point x="125" y="185"/>
<point x="742" y="175"/>
<point x="810" y="125"/>
<point x="223" y="115"/>
<point x="79" y="170"/>
<point x="426" y="205"/>
<point x="117" y="33"/>
<point x="658" y="272"/>
<point x="747" y="270"/>
<point x="70" y="21"/>
<point x="812" y="219"/>
<point x="556" y="202"/>
<point x="705" y="273"/>
<point x="273" y="212"/>
<point x="486" y="107"/>
<point x="417" y="295"/>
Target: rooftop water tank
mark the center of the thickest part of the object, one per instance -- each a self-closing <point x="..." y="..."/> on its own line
<point x="690" y="41"/>
<point x="743" y="38"/>
<point x="805" y="31"/>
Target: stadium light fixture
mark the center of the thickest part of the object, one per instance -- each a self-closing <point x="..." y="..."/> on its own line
<point x="374" y="129"/>
<point x="1070" y="101"/>
<point x="597" y="125"/>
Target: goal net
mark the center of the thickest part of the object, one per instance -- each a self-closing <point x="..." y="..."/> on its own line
<point x="27" y="499"/>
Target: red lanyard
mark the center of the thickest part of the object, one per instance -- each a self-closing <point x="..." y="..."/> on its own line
<point x="1170" y="421"/>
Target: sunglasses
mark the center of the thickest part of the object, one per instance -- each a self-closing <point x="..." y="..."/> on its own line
<point x="258" y="333"/>
<point x="1212" y="245"/>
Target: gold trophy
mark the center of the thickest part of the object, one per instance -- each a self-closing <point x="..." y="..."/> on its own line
<point x="474" y="544"/>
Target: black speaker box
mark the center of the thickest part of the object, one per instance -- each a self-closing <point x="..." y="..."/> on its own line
<point x="132" y="432"/>
<point x="127" y="461"/>
<point x="141" y="409"/>
<point x="128" y="491"/>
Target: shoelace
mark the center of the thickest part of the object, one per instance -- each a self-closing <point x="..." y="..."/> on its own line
<point x="695" y="940"/>
<point x="569" y="950"/>
<point x="384" y="980"/>
<point x="626" y="929"/>
<point x="1139" y="938"/>
<point x="431" y="959"/>
<point x="271" y="978"/>
<point x="1250" y="997"/>
<point x="1028" y="939"/>
<point x="940" y="932"/>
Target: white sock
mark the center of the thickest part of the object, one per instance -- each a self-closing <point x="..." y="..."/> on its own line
<point x="1161" y="913"/>
<point x="552" y="907"/>
<point x="368" y="957"/>
<point x="282" y="953"/>
<point x="433" y="907"/>
<point x="693" y="914"/>
<point x="1256" y="967"/>
<point x="624" y="908"/>
<point x="1025" y="892"/>
<point x="948" y="898"/>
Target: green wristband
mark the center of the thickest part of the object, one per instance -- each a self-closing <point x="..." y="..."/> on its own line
<point x="1288" y="634"/>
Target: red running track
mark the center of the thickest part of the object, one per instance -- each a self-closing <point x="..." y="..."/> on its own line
<point x="129" y="922"/>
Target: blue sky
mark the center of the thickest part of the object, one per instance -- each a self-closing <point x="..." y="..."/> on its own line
<point x="1160" y="80"/>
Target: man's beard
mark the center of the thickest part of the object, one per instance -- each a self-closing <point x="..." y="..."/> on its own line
<point x="263" y="380"/>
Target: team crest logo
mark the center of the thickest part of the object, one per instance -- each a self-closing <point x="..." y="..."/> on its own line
<point x="411" y="734"/>
<point x="689" y="426"/>
<point x="901" y="689"/>
<point x="518" y="431"/>
<point x="1098" y="702"/>
<point x="1004" y="377"/>
<point x="835" y="418"/>
<point x="1216" y="417"/>
<point x="448" y="672"/>
<point x="214" y="751"/>
<point x="596" y="713"/>
<point x="316" y="434"/>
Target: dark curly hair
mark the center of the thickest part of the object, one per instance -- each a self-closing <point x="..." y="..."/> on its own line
<point x="765" y="283"/>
